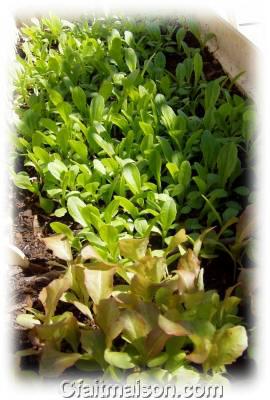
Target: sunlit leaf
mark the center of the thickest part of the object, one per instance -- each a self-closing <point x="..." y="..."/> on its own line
<point x="54" y="362"/>
<point x="60" y="246"/>
<point x="51" y="294"/>
<point x="99" y="283"/>
<point x="133" y="248"/>
<point x="118" y="359"/>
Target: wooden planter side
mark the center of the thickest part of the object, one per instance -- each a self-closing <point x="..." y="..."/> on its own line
<point x="234" y="51"/>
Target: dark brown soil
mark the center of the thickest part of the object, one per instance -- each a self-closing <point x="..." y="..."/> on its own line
<point x="25" y="284"/>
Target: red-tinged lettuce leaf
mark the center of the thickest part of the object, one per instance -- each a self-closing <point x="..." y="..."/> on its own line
<point x="155" y="342"/>
<point x="51" y="294"/>
<point x="154" y="268"/>
<point x="227" y="346"/>
<point x="172" y="328"/>
<point x="202" y="347"/>
<point x="135" y="329"/>
<point x="61" y="327"/>
<point x="108" y="319"/>
<point x="93" y="342"/>
<point x="126" y="299"/>
<point x="149" y="311"/>
<point x="53" y="362"/>
<point x="223" y="349"/>
<point x="188" y="270"/>
<point x="78" y="284"/>
<point x="88" y="252"/>
<point x="71" y="298"/>
<point x="99" y="282"/>
<point x="246" y="225"/>
<point x="142" y="287"/>
<point x="134" y="249"/>
<point x="189" y="262"/>
<point x="186" y="281"/>
<point x="179" y="238"/>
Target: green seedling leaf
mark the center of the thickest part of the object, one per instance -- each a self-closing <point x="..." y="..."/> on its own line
<point x="22" y="181"/>
<point x="146" y="128"/>
<point x="115" y="48"/>
<point x="158" y="360"/>
<point x="184" y="174"/>
<point x="209" y="147"/>
<point x="127" y="206"/>
<point x="132" y="178"/>
<point x="79" y="148"/>
<point x="64" y="109"/>
<point x="106" y="89"/>
<point x="79" y="98"/>
<point x="167" y="214"/>
<point x="216" y="214"/>
<point x="129" y="38"/>
<point x="109" y="235"/>
<point x="98" y="166"/>
<point x="106" y="146"/>
<point x="60" y="212"/>
<point x="75" y="206"/>
<point x="155" y="163"/>
<point x="55" y="97"/>
<point x="180" y="34"/>
<point x="173" y="169"/>
<point x="61" y="228"/>
<point x="226" y="161"/>
<point x="131" y="59"/>
<point x="119" y="359"/>
<point x="168" y="116"/>
<point x="160" y="60"/>
<point x="202" y="348"/>
<point x="212" y="92"/>
<point x="96" y="109"/>
<point x="198" y="67"/>
<point x="141" y="226"/>
<point x="57" y="168"/>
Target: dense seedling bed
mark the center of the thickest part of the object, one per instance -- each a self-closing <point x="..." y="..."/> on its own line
<point x="136" y="147"/>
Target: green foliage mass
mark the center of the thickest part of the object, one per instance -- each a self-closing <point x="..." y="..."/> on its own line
<point x="124" y="134"/>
